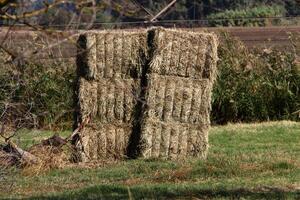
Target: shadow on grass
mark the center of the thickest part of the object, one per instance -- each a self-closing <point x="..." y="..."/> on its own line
<point x="170" y="192"/>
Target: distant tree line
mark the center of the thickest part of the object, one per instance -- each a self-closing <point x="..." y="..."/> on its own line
<point x="219" y="12"/>
<point x="203" y="9"/>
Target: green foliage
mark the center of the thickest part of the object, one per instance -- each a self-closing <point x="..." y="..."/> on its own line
<point x="247" y="16"/>
<point x="36" y="95"/>
<point x="201" y="9"/>
<point x="126" y="10"/>
<point x="293" y="7"/>
<point x="255" y="86"/>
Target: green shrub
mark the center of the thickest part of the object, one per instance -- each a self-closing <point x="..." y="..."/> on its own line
<point x="255" y="86"/>
<point x="36" y="95"/>
<point x="256" y="16"/>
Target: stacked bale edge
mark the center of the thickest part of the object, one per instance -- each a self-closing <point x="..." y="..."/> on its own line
<point x="180" y="78"/>
<point x="109" y="72"/>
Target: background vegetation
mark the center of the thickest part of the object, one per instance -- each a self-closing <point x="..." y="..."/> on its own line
<point x="37" y="95"/>
<point x="252" y="85"/>
<point x="133" y="10"/>
<point x="256" y="16"/>
<point x="255" y="85"/>
<point x="202" y="9"/>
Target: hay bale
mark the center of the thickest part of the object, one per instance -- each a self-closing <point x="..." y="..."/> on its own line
<point x="168" y="136"/>
<point x="174" y="140"/>
<point x="184" y="53"/>
<point x="116" y="99"/>
<point x="87" y="98"/>
<point x="180" y="76"/>
<point x="109" y="85"/>
<point x="105" y="141"/>
<point x="111" y="54"/>
<point x="172" y="70"/>
<point x="111" y="104"/>
<point x="177" y="99"/>
<point x="86" y="58"/>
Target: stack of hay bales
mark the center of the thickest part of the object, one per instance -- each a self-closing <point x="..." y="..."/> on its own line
<point x="180" y="78"/>
<point x="171" y="71"/>
<point x="109" y="72"/>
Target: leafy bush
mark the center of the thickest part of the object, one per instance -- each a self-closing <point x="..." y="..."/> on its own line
<point x="255" y="16"/>
<point x="36" y="95"/>
<point x="255" y="86"/>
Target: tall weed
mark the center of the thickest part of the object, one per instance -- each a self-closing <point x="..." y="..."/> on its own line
<point x="255" y="85"/>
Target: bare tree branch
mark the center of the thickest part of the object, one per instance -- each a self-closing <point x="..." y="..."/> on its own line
<point x="163" y="10"/>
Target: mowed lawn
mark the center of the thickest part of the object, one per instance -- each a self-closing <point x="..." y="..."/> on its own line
<point x="247" y="161"/>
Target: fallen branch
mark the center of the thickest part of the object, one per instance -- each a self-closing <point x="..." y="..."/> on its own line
<point x="12" y="149"/>
<point x="25" y="156"/>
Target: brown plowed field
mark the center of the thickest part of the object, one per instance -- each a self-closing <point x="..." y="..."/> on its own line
<point x="262" y="37"/>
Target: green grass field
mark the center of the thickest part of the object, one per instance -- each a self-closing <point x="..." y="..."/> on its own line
<point x="247" y="161"/>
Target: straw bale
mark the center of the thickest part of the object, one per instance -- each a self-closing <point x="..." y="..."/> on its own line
<point x="115" y="103"/>
<point x="87" y="98"/>
<point x="181" y="74"/>
<point x="173" y="149"/>
<point x="117" y="99"/>
<point x="165" y="140"/>
<point x="174" y="140"/>
<point x="186" y="107"/>
<point x="100" y="54"/>
<point x="110" y="103"/>
<point x="184" y="53"/>
<point x="186" y="101"/>
<point x="172" y="70"/>
<point x="108" y="54"/>
<point x="102" y="101"/>
<point x="105" y="141"/>
<point x="177" y="99"/>
<point x="87" y="60"/>
<point x="108" y="100"/>
<point x="169" y="97"/>
<point x="109" y="86"/>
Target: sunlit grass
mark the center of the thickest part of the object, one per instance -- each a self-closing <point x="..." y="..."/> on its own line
<point x="244" y="160"/>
